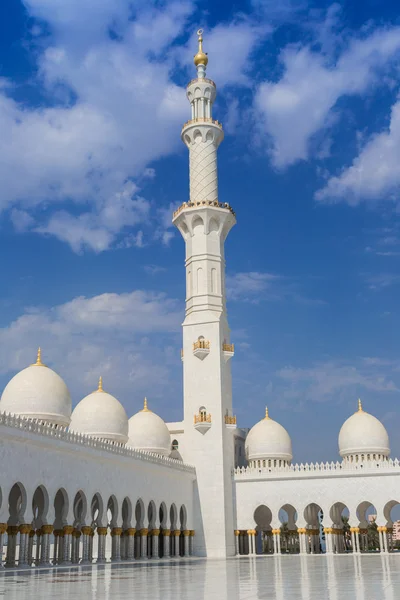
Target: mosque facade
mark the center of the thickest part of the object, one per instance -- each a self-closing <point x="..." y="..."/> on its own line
<point x="90" y="485"/>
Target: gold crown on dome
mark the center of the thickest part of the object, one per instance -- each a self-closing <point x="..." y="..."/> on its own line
<point x="38" y="362"/>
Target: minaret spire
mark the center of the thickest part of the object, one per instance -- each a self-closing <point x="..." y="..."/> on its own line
<point x="201" y="58"/>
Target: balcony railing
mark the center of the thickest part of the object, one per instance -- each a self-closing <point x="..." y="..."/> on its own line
<point x="201" y="120"/>
<point x="202" y="418"/>
<point x="203" y="203"/>
<point x="228" y="347"/>
<point x="230" y="420"/>
<point x="201" y="344"/>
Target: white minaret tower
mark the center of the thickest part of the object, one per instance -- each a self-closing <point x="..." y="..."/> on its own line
<point x="208" y="422"/>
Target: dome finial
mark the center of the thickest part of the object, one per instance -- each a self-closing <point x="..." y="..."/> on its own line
<point x="201" y="59"/>
<point x="360" y="408"/>
<point x="266" y="412"/>
<point x="100" y="386"/>
<point x="145" y="408"/>
<point x="38" y="362"/>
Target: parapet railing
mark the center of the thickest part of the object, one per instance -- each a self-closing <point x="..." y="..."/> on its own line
<point x="62" y="433"/>
<point x="326" y="468"/>
<point x="202" y="80"/>
<point x="203" y="203"/>
<point x="200" y="120"/>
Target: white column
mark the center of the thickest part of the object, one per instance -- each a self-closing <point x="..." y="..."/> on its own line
<point x="186" y="541"/>
<point x="68" y="529"/>
<point x="166" y="542"/>
<point x="154" y="543"/>
<point x="130" y="543"/>
<point x="143" y="543"/>
<point x="116" y="544"/>
<point x="30" y="559"/>
<point x="38" y="546"/>
<point x="237" y="533"/>
<point x="176" y="534"/>
<point x="23" y="539"/>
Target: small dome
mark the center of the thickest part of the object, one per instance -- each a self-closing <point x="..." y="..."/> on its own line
<point x="37" y="392"/>
<point x="363" y="433"/>
<point x="268" y="440"/>
<point x="101" y="416"/>
<point x="148" y="432"/>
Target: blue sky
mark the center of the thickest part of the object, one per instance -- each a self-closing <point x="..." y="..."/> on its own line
<point x="91" y="167"/>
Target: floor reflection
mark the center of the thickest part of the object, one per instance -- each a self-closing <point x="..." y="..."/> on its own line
<point x="267" y="578"/>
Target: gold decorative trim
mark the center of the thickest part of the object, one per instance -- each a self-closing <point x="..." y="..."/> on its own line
<point x="102" y="530"/>
<point x="68" y="529"/>
<point x="47" y="529"/>
<point x="86" y="530"/>
<point x="116" y="531"/>
<point x="130" y="531"/>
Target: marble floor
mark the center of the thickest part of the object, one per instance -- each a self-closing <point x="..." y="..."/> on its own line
<point x="370" y="577"/>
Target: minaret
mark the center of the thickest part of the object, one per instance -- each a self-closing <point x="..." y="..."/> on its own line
<point x="204" y="223"/>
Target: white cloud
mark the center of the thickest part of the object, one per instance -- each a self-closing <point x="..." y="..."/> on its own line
<point x="334" y="380"/>
<point x="301" y="104"/>
<point x="375" y="172"/>
<point x="254" y="286"/>
<point x="112" y="109"/>
<point x="382" y="281"/>
<point x="130" y="339"/>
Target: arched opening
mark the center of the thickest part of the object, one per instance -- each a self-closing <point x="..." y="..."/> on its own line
<point x="112" y="512"/>
<point x="40" y="506"/>
<point x="151" y="516"/>
<point x="315" y="536"/>
<point x="289" y="538"/>
<point x="368" y="527"/>
<point x="175" y="445"/>
<point x="127" y="550"/>
<point x="173" y="517"/>
<point x="340" y="537"/>
<point x="163" y="518"/>
<point x="139" y="519"/>
<point x="182" y="521"/>
<point x="96" y="511"/>
<point x="264" y="540"/>
<point x="16" y="510"/>
<point x="61" y="506"/>
<point x="391" y="513"/>
<point x="16" y="504"/>
<point x="203" y="414"/>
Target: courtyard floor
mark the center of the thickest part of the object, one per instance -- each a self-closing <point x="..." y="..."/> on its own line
<point x="370" y="577"/>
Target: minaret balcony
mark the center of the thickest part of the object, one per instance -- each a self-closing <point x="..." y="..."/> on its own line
<point x="202" y="422"/>
<point x="230" y="421"/>
<point x="201" y="349"/>
<point x="228" y="350"/>
<point x="200" y="121"/>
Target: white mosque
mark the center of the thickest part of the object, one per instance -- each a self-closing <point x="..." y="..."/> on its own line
<point x="92" y="485"/>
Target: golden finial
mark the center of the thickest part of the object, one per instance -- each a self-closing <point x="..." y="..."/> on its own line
<point x="201" y="57"/>
<point x="100" y="386"/>
<point x="145" y="408"/>
<point x="38" y="362"/>
<point x="266" y="412"/>
<point x="360" y="408"/>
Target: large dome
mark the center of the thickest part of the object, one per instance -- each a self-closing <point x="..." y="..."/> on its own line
<point x="102" y="416"/>
<point x="363" y="433"/>
<point x="37" y="392"/>
<point x="148" y="432"/>
<point x="268" y="440"/>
